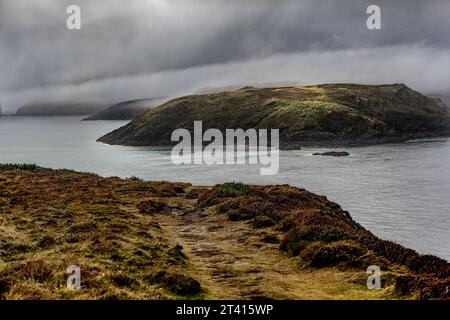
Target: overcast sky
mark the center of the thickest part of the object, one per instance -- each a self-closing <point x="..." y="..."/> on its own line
<point x="131" y="49"/>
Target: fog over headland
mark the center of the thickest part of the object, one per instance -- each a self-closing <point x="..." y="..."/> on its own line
<point x="144" y="48"/>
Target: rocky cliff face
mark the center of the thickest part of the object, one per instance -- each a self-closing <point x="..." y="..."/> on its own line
<point x="321" y="114"/>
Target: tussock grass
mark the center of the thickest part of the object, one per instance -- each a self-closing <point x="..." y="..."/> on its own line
<point x="50" y="219"/>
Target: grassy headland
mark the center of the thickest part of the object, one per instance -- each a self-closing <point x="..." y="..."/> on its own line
<point x="137" y="239"/>
<point x="330" y="114"/>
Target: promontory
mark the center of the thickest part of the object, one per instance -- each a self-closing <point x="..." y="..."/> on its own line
<point x="328" y="114"/>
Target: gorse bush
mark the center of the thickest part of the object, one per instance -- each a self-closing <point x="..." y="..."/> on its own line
<point x="232" y="189"/>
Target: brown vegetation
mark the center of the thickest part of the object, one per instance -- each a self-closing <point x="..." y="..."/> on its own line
<point x="321" y="234"/>
<point x="51" y="219"/>
<point x="135" y="239"/>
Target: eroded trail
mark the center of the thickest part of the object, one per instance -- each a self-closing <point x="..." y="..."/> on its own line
<point x="233" y="260"/>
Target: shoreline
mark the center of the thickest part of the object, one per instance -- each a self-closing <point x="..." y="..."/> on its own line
<point x="335" y="143"/>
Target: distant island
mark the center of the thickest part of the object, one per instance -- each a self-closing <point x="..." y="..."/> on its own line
<point x="126" y="110"/>
<point x="37" y="109"/>
<point x="328" y="114"/>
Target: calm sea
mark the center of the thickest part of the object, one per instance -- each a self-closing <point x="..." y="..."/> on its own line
<point x="400" y="192"/>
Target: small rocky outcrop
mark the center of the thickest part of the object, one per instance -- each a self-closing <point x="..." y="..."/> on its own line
<point x="332" y="154"/>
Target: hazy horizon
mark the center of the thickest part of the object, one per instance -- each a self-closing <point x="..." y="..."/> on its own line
<point x="169" y="48"/>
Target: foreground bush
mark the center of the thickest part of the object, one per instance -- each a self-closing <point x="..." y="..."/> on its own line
<point x="232" y="189"/>
<point x="175" y="282"/>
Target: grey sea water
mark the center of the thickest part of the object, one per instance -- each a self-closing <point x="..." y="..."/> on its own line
<point x="400" y="192"/>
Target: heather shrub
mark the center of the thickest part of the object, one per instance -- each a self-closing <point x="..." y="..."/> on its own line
<point x="232" y="189"/>
<point x="175" y="282"/>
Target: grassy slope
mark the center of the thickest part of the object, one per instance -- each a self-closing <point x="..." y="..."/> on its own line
<point x="125" y="110"/>
<point x="51" y="219"/>
<point x="339" y="112"/>
<point x="158" y="240"/>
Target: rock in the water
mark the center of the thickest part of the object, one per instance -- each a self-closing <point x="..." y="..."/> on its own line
<point x="333" y="154"/>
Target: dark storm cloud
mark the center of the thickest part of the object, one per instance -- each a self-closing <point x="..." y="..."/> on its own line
<point x="138" y="48"/>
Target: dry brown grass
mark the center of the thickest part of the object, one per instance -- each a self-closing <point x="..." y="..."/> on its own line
<point x="52" y="219"/>
<point x="137" y="239"/>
